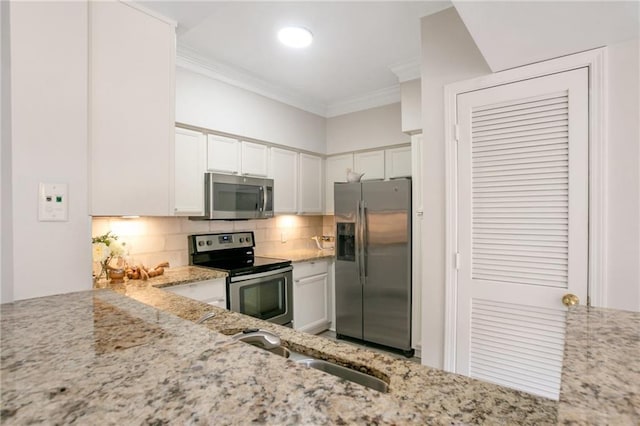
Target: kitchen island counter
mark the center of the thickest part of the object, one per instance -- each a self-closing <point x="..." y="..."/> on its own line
<point x="98" y="357"/>
<point x="102" y="357"/>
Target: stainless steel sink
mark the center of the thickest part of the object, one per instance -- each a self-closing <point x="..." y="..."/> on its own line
<point x="270" y="342"/>
<point x="346" y="373"/>
<point x="280" y="350"/>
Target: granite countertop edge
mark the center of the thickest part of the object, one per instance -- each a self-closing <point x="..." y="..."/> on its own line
<point x="434" y="393"/>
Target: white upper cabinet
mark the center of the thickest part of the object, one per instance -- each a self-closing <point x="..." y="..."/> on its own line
<point x="254" y="159"/>
<point x="284" y="172"/>
<point x="131" y="110"/>
<point x="398" y="162"/>
<point x="223" y="154"/>
<point x="371" y="164"/>
<point x="310" y="189"/>
<point x="228" y="155"/>
<point x="189" y="168"/>
<point x="336" y="171"/>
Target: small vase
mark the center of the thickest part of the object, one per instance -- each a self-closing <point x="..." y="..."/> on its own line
<point x="116" y="276"/>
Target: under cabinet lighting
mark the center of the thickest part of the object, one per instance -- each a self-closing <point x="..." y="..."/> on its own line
<point x="296" y="37"/>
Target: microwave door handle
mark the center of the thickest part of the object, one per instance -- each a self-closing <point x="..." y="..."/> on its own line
<point x="261" y="190"/>
<point x="264" y="198"/>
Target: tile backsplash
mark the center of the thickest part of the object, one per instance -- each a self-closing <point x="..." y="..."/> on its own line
<point x="151" y="240"/>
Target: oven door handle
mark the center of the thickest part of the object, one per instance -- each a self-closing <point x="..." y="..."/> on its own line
<point x="261" y="274"/>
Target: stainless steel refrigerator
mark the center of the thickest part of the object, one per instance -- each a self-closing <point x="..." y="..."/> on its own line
<point x="373" y="262"/>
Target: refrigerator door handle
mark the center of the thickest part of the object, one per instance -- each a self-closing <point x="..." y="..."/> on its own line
<point x="358" y="242"/>
<point x="365" y="242"/>
<point x="361" y="243"/>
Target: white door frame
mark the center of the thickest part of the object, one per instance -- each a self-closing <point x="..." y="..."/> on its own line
<point x="595" y="60"/>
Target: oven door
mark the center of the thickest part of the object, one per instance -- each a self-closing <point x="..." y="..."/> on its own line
<point x="267" y="296"/>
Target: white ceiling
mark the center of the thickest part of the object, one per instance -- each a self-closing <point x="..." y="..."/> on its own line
<point x="511" y="34"/>
<point x="355" y="46"/>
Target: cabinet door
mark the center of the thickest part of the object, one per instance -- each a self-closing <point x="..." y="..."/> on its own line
<point x="223" y="154"/>
<point x="311" y="309"/>
<point x="254" y="159"/>
<point x="284" y="172"/>
<point x="131" y="107"/>
<point x="398" y="162"/>
<point x="336" y="168"/>
<point x="212" y="292"/>
<point x="371" y="164"/>
<point x="189" y="168"/>
<point x="310" y="172"/>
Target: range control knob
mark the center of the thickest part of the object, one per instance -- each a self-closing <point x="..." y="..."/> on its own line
<point x="200" y="243"/>
<point x="242" y="240"/>
<point x="248" y="239"/>
<point x="209" y="242"/>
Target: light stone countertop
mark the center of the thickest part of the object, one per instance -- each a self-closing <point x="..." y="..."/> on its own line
<point x="302" y="255"/>
<point x="98" y="357"/>
<point x="236" y="383"/>
<point x="601" y="371"/>
<point x="172" y="276"/>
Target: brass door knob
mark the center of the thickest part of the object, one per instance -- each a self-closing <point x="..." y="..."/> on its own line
<point x="570" y="299"/>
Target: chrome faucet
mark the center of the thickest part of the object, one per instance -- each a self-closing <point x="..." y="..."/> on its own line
<point x="262" y="338"/>
<point x="205" y="317"/>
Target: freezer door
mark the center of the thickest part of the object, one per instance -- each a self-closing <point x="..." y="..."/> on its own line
<point x="387" y="264"/>
<point x="347" y="286"/>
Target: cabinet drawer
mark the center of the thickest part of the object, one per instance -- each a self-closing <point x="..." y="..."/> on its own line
<point x="212" y="292"/>
<point x="307" y="269"/>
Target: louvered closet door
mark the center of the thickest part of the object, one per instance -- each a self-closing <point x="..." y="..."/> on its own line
<point x="522" y="227"/>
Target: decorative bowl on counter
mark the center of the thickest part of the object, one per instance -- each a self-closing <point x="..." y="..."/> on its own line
<point x="353" y="176"/>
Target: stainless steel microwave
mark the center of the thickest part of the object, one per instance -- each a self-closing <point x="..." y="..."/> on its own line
<point x="230" y="197"/>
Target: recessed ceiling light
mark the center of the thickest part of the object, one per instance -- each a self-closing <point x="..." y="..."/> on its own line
<point x="296" y="37"/>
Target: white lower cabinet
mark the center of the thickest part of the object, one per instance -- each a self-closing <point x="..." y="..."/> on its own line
<point x="311" y="296"/>
<point x="213" y="292"/>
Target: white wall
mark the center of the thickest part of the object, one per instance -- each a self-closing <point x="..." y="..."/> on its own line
<point x="444" y="60"/>
<point x="515" y="33"/>
<point x="623" y="186"/>
<point x="448" y="55"/>
<point x="49" y="144"/>
<point x="6" y="232"/>
<point x="371" y="128"/>
<point x="411" y="101"/>
<point x="205" y="102"/>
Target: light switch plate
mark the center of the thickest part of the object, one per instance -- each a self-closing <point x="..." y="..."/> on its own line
<point x="53" y="202"/>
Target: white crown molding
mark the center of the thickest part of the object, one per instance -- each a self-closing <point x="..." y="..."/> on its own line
<point x="407" y="71"/>
<point x="149" y="12"/>
<point x="189" y="59"/>
<point x="381" y="97"/>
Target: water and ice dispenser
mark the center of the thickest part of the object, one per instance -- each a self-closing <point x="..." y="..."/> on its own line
<point x="346" y="241"/>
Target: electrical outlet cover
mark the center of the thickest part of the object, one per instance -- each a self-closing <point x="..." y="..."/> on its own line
<point x="53" y="202"/>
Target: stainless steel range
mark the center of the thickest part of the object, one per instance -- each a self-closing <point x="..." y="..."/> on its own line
<point x="261" y="287"/>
